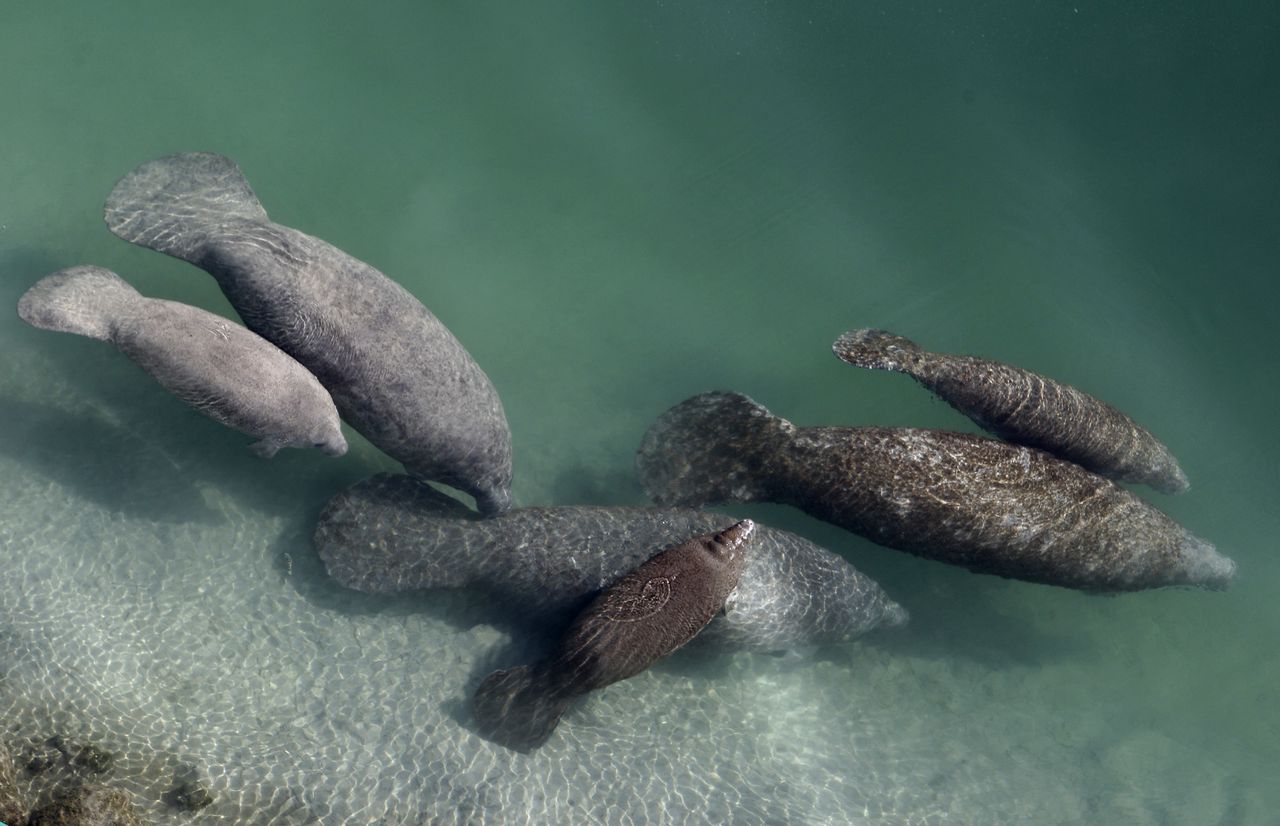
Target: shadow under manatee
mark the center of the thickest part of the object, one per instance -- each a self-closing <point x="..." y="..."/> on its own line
<point x="463" y="609"/>
<point x="101" y="462"/>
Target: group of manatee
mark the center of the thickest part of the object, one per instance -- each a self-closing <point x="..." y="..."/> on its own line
<point x="328" y="336"/>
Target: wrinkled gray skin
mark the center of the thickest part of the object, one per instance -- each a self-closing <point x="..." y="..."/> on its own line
<point x="1026" y="408"/>
<point x="396" y="373"/>
<point x="632" y="624"/>
<point x="219" y="368"/>
<point x="391" y="533"/>
<point x="988" y="506"/>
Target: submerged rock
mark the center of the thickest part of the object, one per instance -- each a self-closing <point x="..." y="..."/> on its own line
<point x="12" y="808"/>
<point x="87" y="805"/>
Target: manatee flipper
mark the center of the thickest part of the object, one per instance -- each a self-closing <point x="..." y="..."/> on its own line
<point x="82" y="300"/>
<point x="704" y="450"/>
<point x="267" y="448"/>
<point x="876" y="350"/>
<point x="165" y="204"/>
<point x="518" y="707"/>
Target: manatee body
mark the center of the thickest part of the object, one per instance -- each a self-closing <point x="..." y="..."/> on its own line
<point x="1025" y="408"/>
<point x="392" y="533"/>
<point x="396" y="373"/>
<point x="221" y="369"/>
<point x="983" y="504"/>
<point x="632" y="624"/>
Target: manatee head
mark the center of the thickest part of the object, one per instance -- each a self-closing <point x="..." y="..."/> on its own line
<point x="728" y="547"/>
<point x="327" y="438"/>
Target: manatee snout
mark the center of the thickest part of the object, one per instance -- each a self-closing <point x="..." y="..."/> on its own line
<point x="326" y="437"/>
<point x="333" y="447"/>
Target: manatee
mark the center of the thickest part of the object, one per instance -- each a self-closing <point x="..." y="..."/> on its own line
<point x="392" y="533"/>
<point x="968" y="500"/>
<point x="397" y="374"/>
<point x="632" y="624"/>
<point x="221" y="369"/>
<point x="1027" y="408"/>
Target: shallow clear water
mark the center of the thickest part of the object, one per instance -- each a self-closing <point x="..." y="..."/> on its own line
<point x="615" y="206"/>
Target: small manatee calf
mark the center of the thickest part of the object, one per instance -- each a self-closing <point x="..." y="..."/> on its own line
<point x="1026" y="408"/>
<point x="968" y="500"/>
<point x="397" y="374"/>
<point x="393" y="533"/>
<point x="221" y="369"/>
<point x="636" y="621"/>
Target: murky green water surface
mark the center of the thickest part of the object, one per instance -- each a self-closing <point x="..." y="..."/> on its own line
<point x="615" y="206"/>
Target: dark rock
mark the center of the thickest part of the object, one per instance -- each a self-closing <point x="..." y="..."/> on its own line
<point x="188" y="796"/>
<point x="12" y="809"/>
<point x="87" y="805"/>
<point x="93" y="759"/>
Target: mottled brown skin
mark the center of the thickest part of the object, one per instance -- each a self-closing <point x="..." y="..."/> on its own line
<point x="637" y="621"/>
<point x="959" y="498"/>
<point x="1025" y="407"/>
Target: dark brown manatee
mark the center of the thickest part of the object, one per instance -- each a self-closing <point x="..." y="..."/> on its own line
<point x="983" y="504"/>
<point x="1026" y="408"/>
<point x="391" y="533"/>
<point x="395" y="371"/>
<point x="635" y="622"/>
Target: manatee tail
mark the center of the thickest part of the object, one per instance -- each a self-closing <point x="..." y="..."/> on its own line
<point x="715" y="447"/>
<point x="80" y="300"/>
<point x="391" y="533"/>
<point x="877" y="350"/>
<point x="518" y="707"/>
<point x="171" y="204"/>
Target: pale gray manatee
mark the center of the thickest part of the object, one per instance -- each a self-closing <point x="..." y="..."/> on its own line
<point x="221" y="369"/>
<point x="968" y="500"/>
<point x="1025" y="407"/>
<point x="644" y="616"/>
<point x="397" y="374"/>
<point x="393" y="533"/>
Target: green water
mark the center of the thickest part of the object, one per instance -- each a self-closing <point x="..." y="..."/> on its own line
<point x="615" y="206"/>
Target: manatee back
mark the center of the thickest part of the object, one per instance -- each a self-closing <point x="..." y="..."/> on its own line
<point x="644" y="616"/>
<point x="228" y="373"/>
